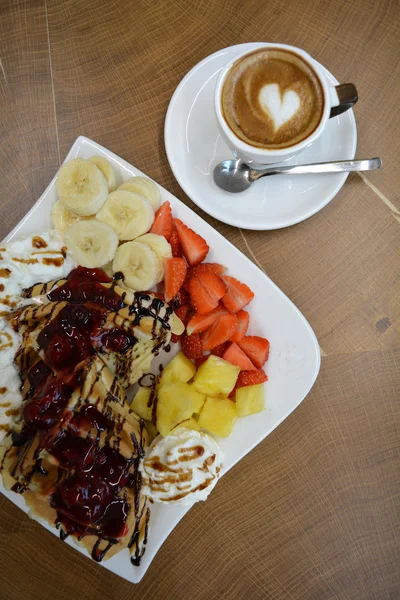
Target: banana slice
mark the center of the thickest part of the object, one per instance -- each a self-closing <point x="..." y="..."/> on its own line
<point x="139" y="265"/>
<point x="91" y="243"/>
<point x="82" y="187"/>
<point x="159" y="245"/>
<point x="177" y="326"/>
<point x="129" y="214"/>
<point x="145" y="187"/>
<point x="62" y="218"/>
<point x="105" y="167"/>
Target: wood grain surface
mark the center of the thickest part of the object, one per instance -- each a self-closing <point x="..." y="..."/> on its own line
<point x="313" y="512"/>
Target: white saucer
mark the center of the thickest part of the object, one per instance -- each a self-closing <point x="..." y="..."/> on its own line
<point x="194" y="147"/>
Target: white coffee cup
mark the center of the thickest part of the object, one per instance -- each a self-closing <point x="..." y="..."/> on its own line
<point x="337" y="99"/>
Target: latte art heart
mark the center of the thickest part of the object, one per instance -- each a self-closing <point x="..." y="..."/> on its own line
<point x="279" y="109"/>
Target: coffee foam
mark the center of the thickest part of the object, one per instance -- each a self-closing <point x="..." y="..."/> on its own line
<point x="272" y="99"/>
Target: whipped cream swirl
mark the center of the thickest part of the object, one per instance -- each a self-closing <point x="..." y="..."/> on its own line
<point x="181" y="468"/>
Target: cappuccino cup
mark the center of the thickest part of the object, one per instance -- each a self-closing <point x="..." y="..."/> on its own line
<point x="274" y="101"/>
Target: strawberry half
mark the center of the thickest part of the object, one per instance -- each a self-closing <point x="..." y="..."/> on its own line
<point x="237" y="357"/>
<point x="220" y="349"/>
<point x="174" y="275"/>
<point x="203" y="267"/>
<point x="243" y="324"/>
<point x="191" y="346"/>
<point x="162" y="224"/>
<point x="256" y="348"/>
<point x="199" y="322"/>
<point x="219" y="332"/>
<point x="159" y="295"/>
<point x="250" y="378"/>
<point x="181" y="298"/>
<point x="238" y="294"/>
<point x="182" y="312"/>
<point x="194" y="247"/>
<point x="206" y="290"/>
<point x="199" y="361"/>
<point x="175" y="244"/>
<point x="186" y="283"/>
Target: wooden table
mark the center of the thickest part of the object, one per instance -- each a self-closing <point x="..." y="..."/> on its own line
<point x="313" y="512"/>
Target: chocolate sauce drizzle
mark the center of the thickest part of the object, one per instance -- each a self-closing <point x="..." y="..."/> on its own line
<point x="89" y="495"/>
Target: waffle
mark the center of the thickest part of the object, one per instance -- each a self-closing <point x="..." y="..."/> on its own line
<point x="75" y="450"/>
<point x="36" y="466"/>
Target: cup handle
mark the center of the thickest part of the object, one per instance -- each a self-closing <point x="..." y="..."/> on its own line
<point x="343" y="97"/>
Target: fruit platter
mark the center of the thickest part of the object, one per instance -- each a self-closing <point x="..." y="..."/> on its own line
<point x="141" y="356"/>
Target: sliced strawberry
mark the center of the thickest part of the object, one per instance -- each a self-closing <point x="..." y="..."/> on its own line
<point x="201" y="322"/>
<point x="175" y="338"/>
<point x="243" y="324"/>
<point x="158" y="295"/>
<point x="256" y="348"/>
<point x="162" y="224"/>
<point x="194" y="247"/>
<point x="219" y="332"/>
<point x="182" y="312"/>
<point x="220" y="349"/>
<point x="250" y="378"/>
<point x="181" y="298"/>
<point x="236" y="356"/>
<point x="203" y="267"/>
<point x="199" y="361"/>
<point x="175" y="243"/>
<point x="238" y="294"/>
<point x="206" y="290"/>
<point x="174" y="275"/>
<point x="186" y="283"/>
<point x="191" y="345"/>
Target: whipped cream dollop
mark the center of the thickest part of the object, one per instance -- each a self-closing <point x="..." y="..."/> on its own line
<point x="181" y="468"/>
<point x="33" y="259"/>
<point x="24" y="262"/>
<point x="10" y="395"/>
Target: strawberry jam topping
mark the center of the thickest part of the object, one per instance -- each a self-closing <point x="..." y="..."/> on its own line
<point x="43" y="410"/>
<point x="85" y="284"/>
<point x="88" y="500"/>
<point x="77" y="330"/>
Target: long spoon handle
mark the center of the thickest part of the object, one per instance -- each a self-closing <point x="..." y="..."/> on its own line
<point x="367" y="164"/>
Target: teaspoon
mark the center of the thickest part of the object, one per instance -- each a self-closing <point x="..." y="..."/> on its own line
<point x="236" y="176"/>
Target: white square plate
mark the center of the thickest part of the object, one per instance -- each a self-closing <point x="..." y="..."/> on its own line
<point x="292" y="367"/>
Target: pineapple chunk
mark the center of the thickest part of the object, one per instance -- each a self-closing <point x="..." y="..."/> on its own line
<point x="180" y="368"/>
<point x="216" y="377"/>
<point x="249" y="400"/>
<point x="141" y="403"/>
<point x="189" y="424"/>
<point x="218" y="416"/>
<point x="176" y="403"/>
<point x="197" y="400"/>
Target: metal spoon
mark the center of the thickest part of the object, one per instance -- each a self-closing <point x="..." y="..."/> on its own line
<point x="235" y="176"/>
